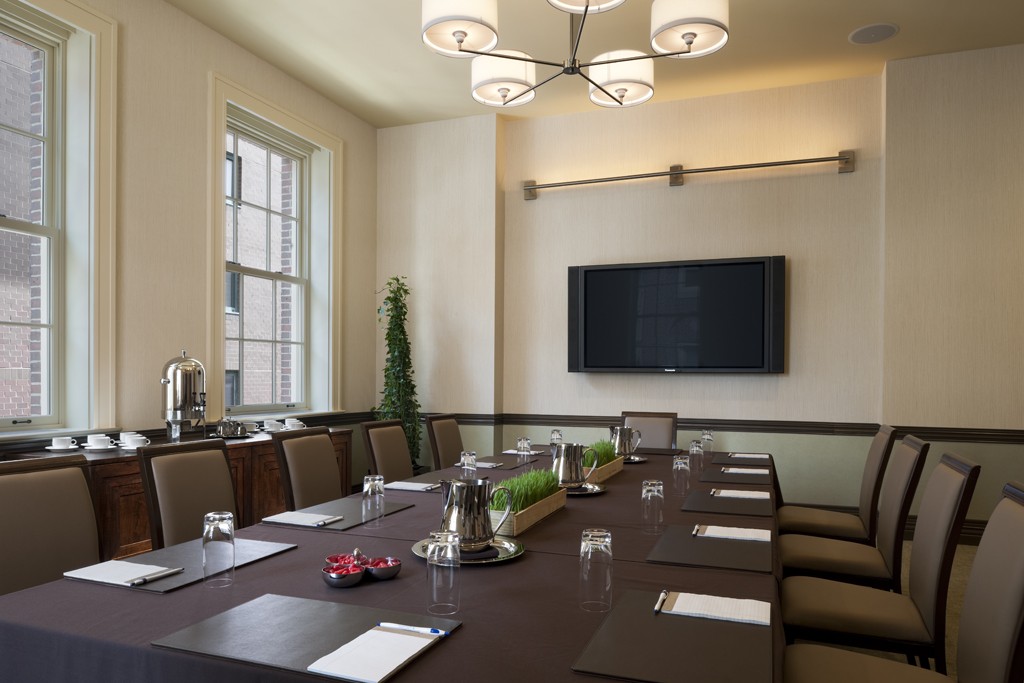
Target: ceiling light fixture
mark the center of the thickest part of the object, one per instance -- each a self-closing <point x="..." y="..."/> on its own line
<point x="680" y="29"/>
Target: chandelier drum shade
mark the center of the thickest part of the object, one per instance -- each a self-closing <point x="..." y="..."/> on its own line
<point x="617" y="78"/>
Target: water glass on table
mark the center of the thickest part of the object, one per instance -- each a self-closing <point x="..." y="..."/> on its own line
<point x="707" y="441"/>
<point x="468" y="463"/>
<point x="696" y="455"/>
<point x="652" y="506"/>
<point x="218" y="549"/>
<point x="373" y="501"/>
<point x="680" y="475"/>
<point x="443" y="558"/>
<point x="595" y="589"/>
<point x="556" y="437"/>
<point x="524" y="448"/>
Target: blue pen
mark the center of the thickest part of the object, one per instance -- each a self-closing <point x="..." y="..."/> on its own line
<point x="415" y="629"/>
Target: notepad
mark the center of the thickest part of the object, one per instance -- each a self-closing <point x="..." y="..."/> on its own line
<point x="752" y="456"/>
<point x="373" y="656"/>
<point x="733" y="493"/>
<point x="115" y="572"/>
<point x="717" y="607"/>
<point x="302" y="519"/>
<point x="411" y="486"/>
<point x="734" y="533"/>
<point x="487" y="465"/>
<point x="515" y="452"/>
<point x="744" y="470"/>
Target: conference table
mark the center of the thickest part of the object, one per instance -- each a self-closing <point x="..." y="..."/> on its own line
<point x="520" y="619"/>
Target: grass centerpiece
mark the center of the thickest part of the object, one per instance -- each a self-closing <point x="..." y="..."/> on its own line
<point x="535" y="495"/>
<point x="608" y="463"/>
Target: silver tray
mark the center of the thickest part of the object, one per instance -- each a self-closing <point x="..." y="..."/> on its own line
<point x="633" y="459"/>
<point x="586" y="490"/>
<point x="508" y="549"/>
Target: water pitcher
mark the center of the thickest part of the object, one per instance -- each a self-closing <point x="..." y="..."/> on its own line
<point x="467" y="504"/>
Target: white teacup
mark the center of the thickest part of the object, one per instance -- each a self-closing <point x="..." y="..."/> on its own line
<point x="64" y="442"/>
<point x="136" y="441"/>
<point x="293" y="423"/>
<point x="272" y="425"/>
<point x="100" y="441"/>
<point x="123" y="436"/>
<point x="251" y="426"/>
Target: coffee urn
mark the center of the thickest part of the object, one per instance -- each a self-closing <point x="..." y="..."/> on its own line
<point x="184" y="381"/>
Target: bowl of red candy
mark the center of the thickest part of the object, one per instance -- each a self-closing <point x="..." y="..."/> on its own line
<point x="342" y="575"/>
<point x="383" y="568"/>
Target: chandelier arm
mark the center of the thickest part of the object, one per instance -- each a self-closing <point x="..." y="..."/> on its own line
<point x="633" y="59"/>
<point x="574" y="41"/>
<point x="546" y="80"/>
<point x="600" y="87"/>
<point x="557" y="65"/>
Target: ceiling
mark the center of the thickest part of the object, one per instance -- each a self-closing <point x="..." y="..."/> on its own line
<point x="367" y="55"/>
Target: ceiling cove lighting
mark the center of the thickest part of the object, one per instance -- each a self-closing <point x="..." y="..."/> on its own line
<point x="680" y="29"/>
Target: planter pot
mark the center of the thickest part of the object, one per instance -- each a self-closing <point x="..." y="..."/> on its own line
<point x="605" y="472"/>
<point x="518" y="522"/>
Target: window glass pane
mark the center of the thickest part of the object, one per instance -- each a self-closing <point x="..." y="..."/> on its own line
<point x="289" y="373"/>
<point x="251" y="247"/>
<point x="257" y="376"/>
<point x="24" y="375"/>
<point x="283" y="245"/>
<point x="21" y="182"/>
<point x="289" y="312"/>
<point x="253" y="171"/>
<point x="231" y="357"/>
<point x="24" y="278"/>
<point x="283" y="183"/>
<point x="257" y="308"/>
<point x="229" y="232"/>
<point x="21" y="76"/>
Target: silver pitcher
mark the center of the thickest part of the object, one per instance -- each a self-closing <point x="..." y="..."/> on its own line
<point x="467" y="504"/>
<point x="622" y="437"/>
<point x="567" y="463"/>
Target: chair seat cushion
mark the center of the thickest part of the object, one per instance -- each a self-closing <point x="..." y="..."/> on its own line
<point x="820" y="604"/>
<point x="801" y="553"/>
<point x="805" y="663"/>
<point x="794" y="519"/>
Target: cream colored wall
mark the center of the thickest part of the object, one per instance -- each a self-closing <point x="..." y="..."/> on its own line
<point x="954" y="240"/>
<point x="165" y="59"/>
<point x="827" y="224"/>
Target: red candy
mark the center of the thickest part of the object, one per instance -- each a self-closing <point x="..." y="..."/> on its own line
<point x="344" y="569"/>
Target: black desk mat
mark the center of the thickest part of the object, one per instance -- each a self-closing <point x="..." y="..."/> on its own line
<point x="286" y="632"/>
<point x="635" y="644"/>
<point x="508" y="462"/>
<point x="350" y="508"/>
<point x="678" y="545"/>
<point x="190" y="556"/>
<point x="703" y="501"/>
<point x="716" y="475"/>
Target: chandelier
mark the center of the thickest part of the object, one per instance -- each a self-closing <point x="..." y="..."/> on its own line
<point x="680" y="29"/>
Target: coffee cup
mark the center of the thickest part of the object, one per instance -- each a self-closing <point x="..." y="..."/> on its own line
<point x="251" y="427"/>
<point x="136" y="441"/>
<point x="271" y="425"/>
<point x="100" y="441"/>
<point x="64" y="442"/>
<point x="292" y="422"/>
<point x="123" y="436"/>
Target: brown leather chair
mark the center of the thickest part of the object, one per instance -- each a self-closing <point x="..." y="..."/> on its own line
<point x="182" y="482"/>
<point x="915" y="623"/>
<point x="990" y="645"/>
<point x="657" y="430"/>
<point x="388" y="449"/>
<point x="47" y="520"/>
<point x="309" y="467"/>
<point x="876" y="565"/>
<point x="861" y="527"/>
<point x="445" y="440"/>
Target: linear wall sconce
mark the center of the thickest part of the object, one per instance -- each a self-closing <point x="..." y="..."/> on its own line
<point x="846" y="159"/>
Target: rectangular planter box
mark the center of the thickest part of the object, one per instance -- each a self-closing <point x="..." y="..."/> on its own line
<point x="518" y="522"/>
<point x="606" y="472"/>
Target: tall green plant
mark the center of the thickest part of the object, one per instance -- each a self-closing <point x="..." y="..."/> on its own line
<point x="398" y="399"/>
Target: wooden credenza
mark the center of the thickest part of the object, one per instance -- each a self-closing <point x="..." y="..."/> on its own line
<point x="121" y="505"/>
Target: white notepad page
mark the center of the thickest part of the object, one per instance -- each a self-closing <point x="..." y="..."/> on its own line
<point x="751" y="456"/>
<point x="736" y="533"/>
<point x="717" y="607"/>
<point x="744" y="470"/>
<point x="299" y="518"/>
<point x="734" y="493"/>
<point x="411" y="486"/>
<point x="373" y="656"/>
<point x="116" y="572"/>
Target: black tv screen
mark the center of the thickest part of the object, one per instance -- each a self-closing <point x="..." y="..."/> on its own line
<point x="721" y="315"/>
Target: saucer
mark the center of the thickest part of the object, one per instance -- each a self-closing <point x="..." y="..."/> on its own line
<point x="586" y="490"/>
<point x="58" y="449"/>
<point x="631" y="459"/>
<point x="100" y="449"/>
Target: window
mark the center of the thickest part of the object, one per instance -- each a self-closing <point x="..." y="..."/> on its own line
<point x="267" y="283"/>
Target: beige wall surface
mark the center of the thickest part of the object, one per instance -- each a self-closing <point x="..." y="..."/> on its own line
<point x="165" y="62"/>
<point x="954" y="240"/>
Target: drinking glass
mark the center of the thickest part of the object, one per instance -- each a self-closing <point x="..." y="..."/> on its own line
<point x="556" y="436"/>
<point x="443" y="572"/>
<point x="707" y="440"/>
<point x="652" y="506"/>
<point x="523" y="448"/>
<point x="218" y="549"/>
<point x="696" y="455"/>
<point x="373" y="501"/>
<point x="468" y="463"/>
<point x="595" y="592"/>
<point x="680" y="475"/>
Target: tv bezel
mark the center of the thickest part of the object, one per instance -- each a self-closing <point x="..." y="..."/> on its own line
<point x="773" y="342"/>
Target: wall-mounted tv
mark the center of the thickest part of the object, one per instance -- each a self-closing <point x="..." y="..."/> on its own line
<point x="720" y="315"/>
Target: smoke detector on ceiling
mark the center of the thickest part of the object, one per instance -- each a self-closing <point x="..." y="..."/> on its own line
<point x="873" y="33"/>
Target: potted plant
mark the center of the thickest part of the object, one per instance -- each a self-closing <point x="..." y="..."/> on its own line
<point x="608" y="463"/>
<point x="535" y="495"/>
<point x="398" y="399"/>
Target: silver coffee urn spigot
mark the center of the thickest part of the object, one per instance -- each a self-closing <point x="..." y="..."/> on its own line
<point x="184" y="381"/>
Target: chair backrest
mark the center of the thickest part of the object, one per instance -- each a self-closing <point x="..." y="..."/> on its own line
<point x="182" y="482"/>
<point x="389" y="451"/>
<point x="309" y="467"/>
<point x="871" y="482"/>
<point x="47" y="520"/>
<point x="657" y="430"/>
<point x="898" y="488"/>
<point x="940" y="517"/>
<point x="445" y="440"/>
<point x="990" y="646"/>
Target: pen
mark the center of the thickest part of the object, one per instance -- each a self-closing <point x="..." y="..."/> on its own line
<point x="714" y="492"/>
<point x="661" y="601"/>
<point x="155" y="575"/>
<point x="696" y="530"/>
<point x="415" y="629"/>
<point x="330" y="520"/>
